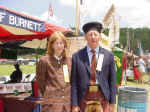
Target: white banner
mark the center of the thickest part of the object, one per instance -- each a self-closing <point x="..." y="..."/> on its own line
<point x="11" y="88"/>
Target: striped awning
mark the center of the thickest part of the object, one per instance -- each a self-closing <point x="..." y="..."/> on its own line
<point x="35" y="43"/>
<point x="16" y="26"/>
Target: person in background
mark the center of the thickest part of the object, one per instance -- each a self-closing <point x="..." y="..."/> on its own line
<point x="135" y="69"/>
<point x="16" y="76"/>
<point x="53" y="75"/>
<point x="93" y="75"/>
<point x="0" y="52"/>
<point x="148" y="67"/>
<point x="141" y="68"/>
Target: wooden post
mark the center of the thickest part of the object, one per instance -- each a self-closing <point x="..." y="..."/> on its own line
<point x="77" y="18"/>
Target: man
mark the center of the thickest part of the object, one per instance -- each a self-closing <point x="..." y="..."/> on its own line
<point x="82" y="73"/>
<point x="16" y="76"/>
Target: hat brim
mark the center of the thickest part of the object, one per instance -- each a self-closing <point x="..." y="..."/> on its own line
<point x="92" y="25"/>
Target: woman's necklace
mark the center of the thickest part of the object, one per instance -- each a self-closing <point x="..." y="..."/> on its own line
<point x="58" y="58"/>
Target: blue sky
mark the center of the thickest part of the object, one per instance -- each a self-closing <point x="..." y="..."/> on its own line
<point x="63" y="13"/>
<point x="132" y="13"/>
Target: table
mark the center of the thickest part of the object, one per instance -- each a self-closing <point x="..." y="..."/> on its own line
<point x="25" y="103"/>
<point x="18" y="104"/>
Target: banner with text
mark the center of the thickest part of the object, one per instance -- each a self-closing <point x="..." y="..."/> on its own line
<point x="16" y="20"/>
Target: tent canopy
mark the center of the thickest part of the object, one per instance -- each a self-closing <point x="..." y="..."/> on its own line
<point x="15" y="26"/>
<point x="35" y="43"/>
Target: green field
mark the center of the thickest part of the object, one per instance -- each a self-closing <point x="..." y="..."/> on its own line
<point x="8" y="69"/>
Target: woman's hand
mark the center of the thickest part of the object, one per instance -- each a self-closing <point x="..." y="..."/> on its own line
<point x="75" y="108"/>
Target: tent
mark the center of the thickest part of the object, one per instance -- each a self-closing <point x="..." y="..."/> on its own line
<point x="35" y="43"/>
<point x="16" y="26"/>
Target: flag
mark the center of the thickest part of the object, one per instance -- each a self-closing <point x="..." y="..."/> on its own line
<point x="50" y="11"/>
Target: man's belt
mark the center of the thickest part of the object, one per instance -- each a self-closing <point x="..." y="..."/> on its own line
<point x="93" y="88"/>
<point x="92" y="99"/>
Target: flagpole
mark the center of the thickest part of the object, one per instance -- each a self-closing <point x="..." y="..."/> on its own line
<point x="113" y="22"/>
<point x="77" y="18"/>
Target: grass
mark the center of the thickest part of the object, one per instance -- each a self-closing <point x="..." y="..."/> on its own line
<point x="8" y="69"/>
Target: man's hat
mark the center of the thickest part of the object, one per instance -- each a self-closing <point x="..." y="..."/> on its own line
<point x="92" y="25"/>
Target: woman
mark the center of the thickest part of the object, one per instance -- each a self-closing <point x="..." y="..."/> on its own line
<point x="53" y="71"/>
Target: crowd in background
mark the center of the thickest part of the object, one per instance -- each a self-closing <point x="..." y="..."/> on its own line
<point x="141" y="66"/>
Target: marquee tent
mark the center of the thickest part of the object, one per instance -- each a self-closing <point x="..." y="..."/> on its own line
<point x="36" y="43"/>
<point x="16" y="26"/>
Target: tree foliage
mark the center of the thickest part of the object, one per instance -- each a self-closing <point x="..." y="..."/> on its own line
<point x="136" y="35"/>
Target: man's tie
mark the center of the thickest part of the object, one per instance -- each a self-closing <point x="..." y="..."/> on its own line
<point x="93" y="67"/>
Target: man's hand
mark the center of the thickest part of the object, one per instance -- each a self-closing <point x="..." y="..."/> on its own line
<point x="112" y="107"/>
<point x="75" y="108"/>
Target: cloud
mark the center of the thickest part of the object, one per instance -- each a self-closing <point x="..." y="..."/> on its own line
<point x="68" y="2"/>
<point x="133" y="13"/>
<point x="54" y="19"/>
